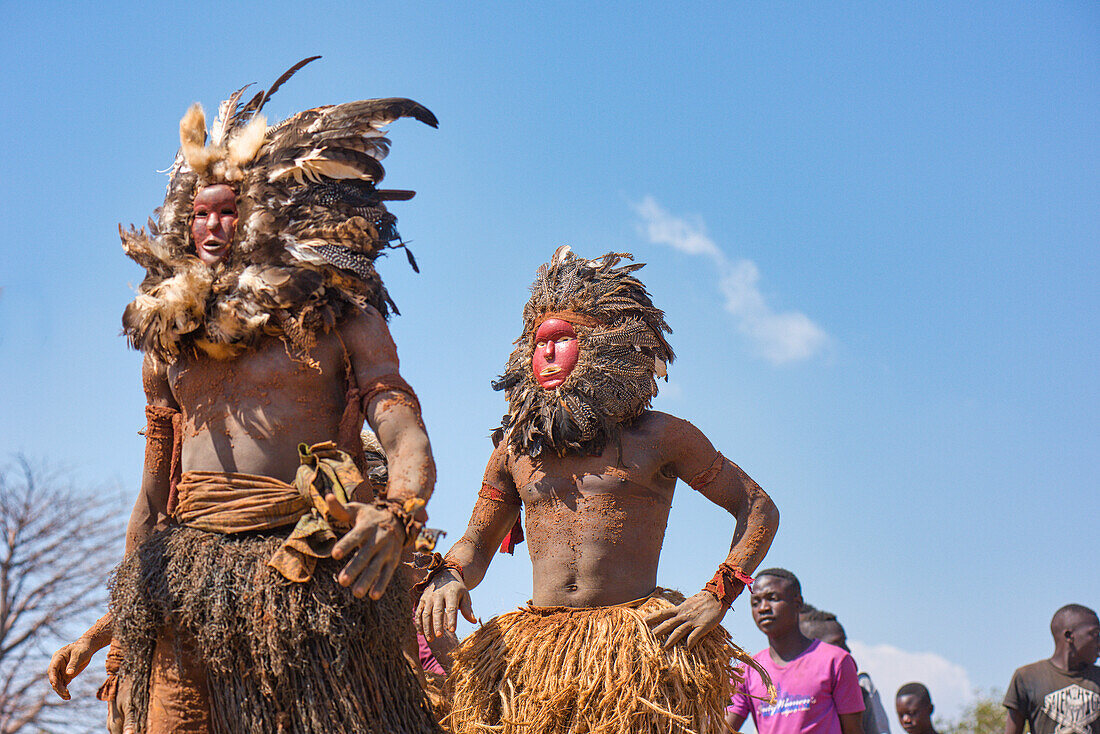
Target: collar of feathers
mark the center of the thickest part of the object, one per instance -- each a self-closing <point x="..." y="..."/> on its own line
<point x="311" y="222"/>
<point x="622" y="350"/>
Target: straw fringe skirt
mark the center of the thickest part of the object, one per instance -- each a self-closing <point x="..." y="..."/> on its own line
<point x="599" y="670"/>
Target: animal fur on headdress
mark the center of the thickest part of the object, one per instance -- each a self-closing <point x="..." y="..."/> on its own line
<point x="622" y="350"/>
<point x="311" y="222"/>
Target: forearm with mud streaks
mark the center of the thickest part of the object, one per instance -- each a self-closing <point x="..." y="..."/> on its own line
<point x="489" y="523"/>
<point x="721" y="481"/>
<point x="757" y="516"/>
<point x="156" y="475"/>
<point x="397" y="424"/>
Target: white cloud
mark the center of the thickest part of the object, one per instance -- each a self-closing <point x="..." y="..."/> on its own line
<point x="778" y="337"/>
<point x="890" y="668"/>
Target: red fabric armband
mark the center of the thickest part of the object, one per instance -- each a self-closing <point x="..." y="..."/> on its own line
<point x="727" y="583"/>
<point x="515" y="535"/>
<point x="489" y="492"/>
<point x="708" y="475"/>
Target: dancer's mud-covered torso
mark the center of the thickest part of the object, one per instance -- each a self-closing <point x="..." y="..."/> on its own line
<point x="249" y="414"/>
<point x="596" y="524"/>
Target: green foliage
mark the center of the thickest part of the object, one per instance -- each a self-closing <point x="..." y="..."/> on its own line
<point x="984" y="715"/>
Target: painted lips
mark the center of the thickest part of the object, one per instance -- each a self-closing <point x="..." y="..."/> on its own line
<point x="550" y="369"/>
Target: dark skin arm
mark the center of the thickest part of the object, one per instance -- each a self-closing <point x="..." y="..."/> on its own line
<point x="851" y="723"/>
<point x="447" y="594"/>
<point x="757" y="521"/>
<point x="734" y="721"/>
<point x="374" y="544"/>
<point x="1014" y="723"/>
<point x="152" y="501"/>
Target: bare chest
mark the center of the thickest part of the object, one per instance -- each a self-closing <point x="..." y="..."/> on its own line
<point x="636" y="477"/>
<point x="262" y="379"/>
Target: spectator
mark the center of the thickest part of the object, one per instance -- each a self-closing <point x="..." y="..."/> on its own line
<point x="816" y="683"/>
<point x="1060" y="695"/>
<point x="821" y="625"/>
<point x="914" y="707"/>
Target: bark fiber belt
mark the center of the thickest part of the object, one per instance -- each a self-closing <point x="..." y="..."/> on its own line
<point x="230" y="502"/>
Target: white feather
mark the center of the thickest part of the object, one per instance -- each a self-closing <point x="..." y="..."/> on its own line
<point x="247" y="142"/>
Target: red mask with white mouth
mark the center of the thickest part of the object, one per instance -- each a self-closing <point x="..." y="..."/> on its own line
<point x="214" y="223"/>
<point x="556" y="353"/>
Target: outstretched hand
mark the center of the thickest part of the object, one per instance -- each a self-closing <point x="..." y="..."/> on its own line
<point x="437" y="611"/>
<point x="694" y="618"/>
<point x="67" y="663"/>
<point x="374" y="543"/>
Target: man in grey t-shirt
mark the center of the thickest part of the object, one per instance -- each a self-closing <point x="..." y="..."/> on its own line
<point x="1060" y="695"/>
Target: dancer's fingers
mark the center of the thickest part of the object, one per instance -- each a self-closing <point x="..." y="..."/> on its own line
<point x="425" y="619"/>
<point x="384" y="577"/>
<point x="695" y="636"/>
<point x="369" y="575"/>
<point x="416" y="616"/>
<point x="467" y="610"/>
<point x="678" y="634"/>
<point x="660" y="615"/>
<point x="439" y="613"/>
<point x="667" y="626"/>
<point x="354" y="568"/>
<point x="452" y="616"/>
<point x="429" y="618"/>
<point x="59" y="662"/>
<point x="336" y="510"/>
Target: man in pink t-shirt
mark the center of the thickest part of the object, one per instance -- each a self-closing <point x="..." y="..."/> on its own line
<point x="816" y="683"/>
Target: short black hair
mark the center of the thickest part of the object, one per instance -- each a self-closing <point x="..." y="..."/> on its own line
<point x="915" y="689"/>
<point x="811" y="620"/>
<point x="782" y="573"/>
<point x="1061" y="618"/>
<point x="811" y="613"/>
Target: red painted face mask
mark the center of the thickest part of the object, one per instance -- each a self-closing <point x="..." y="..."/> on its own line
<point x="215" y="222"/>
<point x="556" y="353"/>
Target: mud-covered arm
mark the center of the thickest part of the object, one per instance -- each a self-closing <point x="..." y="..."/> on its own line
<point x="495" y="513"/>
<point x="380" y="531"/>
<point x="448" y="591"/>
<point x="724" y="483"/>
<point x="390" y="406"/>
<point x="693" y="459"/>
<point x="156" y="475"/>
<point x="152" y="501"/>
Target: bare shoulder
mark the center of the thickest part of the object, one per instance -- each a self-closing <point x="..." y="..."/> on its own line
<point x="363" y="323"/>
<point x="367" y="337"/>
<point x="665" y="427"/>
<point x="154" y="380"/>
<point x="683" y="447"/>
<point x="500" y="460"/>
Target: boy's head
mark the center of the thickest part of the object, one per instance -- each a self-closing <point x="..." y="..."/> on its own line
<point x="776" y="600"/>
<point x="817" y="624"/>
<point x="914" y="707"/>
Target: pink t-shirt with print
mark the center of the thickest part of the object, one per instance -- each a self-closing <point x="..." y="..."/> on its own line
<point x="811" y="690"/>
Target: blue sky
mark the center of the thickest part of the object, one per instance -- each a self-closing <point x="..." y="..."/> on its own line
<point x="873" y="227"/>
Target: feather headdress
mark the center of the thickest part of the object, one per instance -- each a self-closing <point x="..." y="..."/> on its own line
<point x="622" y="349"/>
<point x="311" y="222"/>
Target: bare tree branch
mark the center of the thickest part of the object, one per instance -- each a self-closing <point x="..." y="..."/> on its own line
<point x="57" y="546"/>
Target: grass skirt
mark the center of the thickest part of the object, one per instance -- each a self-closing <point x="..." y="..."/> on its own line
<point x="293" y="658"/>
<point x="598" y="670"/>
